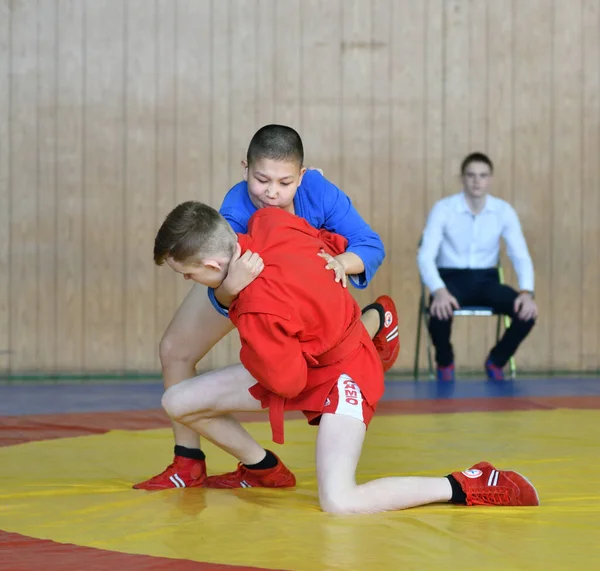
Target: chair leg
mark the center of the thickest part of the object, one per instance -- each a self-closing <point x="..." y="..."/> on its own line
<point x="512" y="362"/>
<point x="430" y="363"/>
<point x="513" y="368"/>
<point x="418" y="341"/>
<point x="429" y="359"/>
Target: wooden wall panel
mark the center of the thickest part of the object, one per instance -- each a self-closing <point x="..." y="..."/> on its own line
<point x="532" y="162"/>
<point x="47" y="348"/>
<point x="70" y="229"/>
<point x="590" y="202"/>
<point x="168" y="294"/>
<point x="321" y="85"/>
<point x="23" y="171"/>
<point x="113" y="111"/>
<point x="105" y="28"/>
<point x="140" y="181"/>
<point x="264" y="54"/>
<point x="287" y="62"/>
<point x="5" y="117"/>
<point x="565" y="244"/>
<point x="434" y="38"/>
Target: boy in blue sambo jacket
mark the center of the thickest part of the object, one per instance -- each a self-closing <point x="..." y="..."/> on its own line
<point x="274" y="177"/>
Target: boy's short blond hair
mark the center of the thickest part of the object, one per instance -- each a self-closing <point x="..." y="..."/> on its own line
<point x="191" y="232"/>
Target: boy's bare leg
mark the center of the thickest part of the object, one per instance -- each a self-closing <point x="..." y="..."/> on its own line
<point x="202" y="404"/>
<point x="371" y="320"/>
<point x="339" y="446"/>
<point x="380" y="319"/>
<point x="195" y="328"/>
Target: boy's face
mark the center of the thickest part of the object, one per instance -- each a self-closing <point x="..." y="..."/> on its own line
<point x="273" y="183"/>
<point x="210" y="272"/>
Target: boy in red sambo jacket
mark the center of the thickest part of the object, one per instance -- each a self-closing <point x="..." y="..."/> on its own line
<point x="303" y="348"/>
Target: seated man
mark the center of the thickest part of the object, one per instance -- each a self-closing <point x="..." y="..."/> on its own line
<point x="303" y="348"/>
<point x="458" y="261"/>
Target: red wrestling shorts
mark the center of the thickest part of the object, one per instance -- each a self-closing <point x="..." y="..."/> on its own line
<point x="331" y="389"/>
<point x="344" y="398"/>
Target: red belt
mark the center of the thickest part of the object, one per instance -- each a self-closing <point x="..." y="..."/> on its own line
<point x="345" y="347"/>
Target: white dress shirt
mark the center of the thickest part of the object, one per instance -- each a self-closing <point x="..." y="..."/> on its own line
<point x="456" y="238"/>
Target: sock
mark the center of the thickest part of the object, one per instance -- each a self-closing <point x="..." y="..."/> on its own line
<point x="379" y="308"/>
<point x="458" y="496"/>
<point x="192" y="453"/>
<point x="269" y="461"/>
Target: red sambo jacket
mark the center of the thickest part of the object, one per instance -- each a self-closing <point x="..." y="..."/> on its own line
<point x="299" y="329"/>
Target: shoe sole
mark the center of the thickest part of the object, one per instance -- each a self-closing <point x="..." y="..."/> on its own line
<point x="240" y="487"/>
<point x="161" y="487"/>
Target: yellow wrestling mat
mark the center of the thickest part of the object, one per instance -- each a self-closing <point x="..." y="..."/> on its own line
<point x="78" y="490"/>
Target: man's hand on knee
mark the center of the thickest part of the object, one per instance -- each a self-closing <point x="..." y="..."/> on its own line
<point x="525" y="307"/>
<point x="443" y="304"/>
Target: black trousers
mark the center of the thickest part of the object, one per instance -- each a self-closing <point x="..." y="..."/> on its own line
<point x="479" y="287"/>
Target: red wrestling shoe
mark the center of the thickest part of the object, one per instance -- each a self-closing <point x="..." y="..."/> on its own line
<point x="484" y="485"/>
<point x="182" y="473"/>
<point x="277" y="477"/>
<point x="387" y="341"/>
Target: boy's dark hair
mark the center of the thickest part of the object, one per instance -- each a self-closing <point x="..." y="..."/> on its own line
<point x="476" y="158"/>
<point x="276" y="142"/>
<point x="192" y="230"/>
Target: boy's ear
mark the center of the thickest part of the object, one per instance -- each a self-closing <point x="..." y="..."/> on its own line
<point x="213" y="264"/>
<point x="302" y="171"/>
<point x="244" y="164"/>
